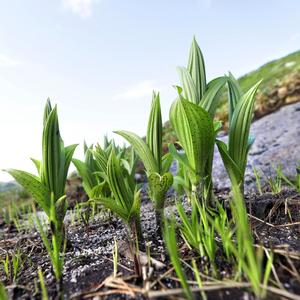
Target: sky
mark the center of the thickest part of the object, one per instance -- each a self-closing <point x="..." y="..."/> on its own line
<point x="99" y="60"/>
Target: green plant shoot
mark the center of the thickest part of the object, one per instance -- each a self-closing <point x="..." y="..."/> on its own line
<point x="150" y="152"/>
<point x="48" y="189"/>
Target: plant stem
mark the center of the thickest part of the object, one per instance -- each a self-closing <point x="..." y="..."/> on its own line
<point x="159" y="216"/>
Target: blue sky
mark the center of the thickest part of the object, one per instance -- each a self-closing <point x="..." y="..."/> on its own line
<point x="101" y="59"/>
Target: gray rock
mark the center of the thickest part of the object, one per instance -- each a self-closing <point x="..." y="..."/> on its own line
<point x="277" y="142"/>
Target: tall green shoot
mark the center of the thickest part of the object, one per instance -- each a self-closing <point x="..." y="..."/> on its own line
<point x="48" y="188"/>
<point x="205" y="95"/>
<point x="150" y="152"/>
<point x="234" y="155"/>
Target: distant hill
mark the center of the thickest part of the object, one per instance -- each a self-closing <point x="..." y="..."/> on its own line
<point x="280" y="86"/>
<point x="7" y="186"/>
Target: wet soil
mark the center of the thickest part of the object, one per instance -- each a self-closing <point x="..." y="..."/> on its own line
<point x="275" y="221"/>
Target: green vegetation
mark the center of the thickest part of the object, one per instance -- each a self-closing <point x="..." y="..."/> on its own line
<point x="211" y="230"/>
<point x="272" y="72"/>
<point x="280" y="73"/>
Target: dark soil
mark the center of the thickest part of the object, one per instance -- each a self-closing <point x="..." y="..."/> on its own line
<point x="275" y="221"/>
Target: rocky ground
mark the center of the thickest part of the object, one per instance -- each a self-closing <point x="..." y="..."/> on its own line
<point x="89" y="265"/>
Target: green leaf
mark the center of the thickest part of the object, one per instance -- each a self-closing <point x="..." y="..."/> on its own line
<point x="154" y="131"/>
<point x="195" y="131"/>
<point x="53" y="162"/>
<point x="117" y="184"/>
<point x="111" y="204"/>
<point x="234" y="94"/>
<point x="101" y="158"/>
<point x="167" y="161"/>
<point x="159" y="185"/>
<point x="240" y="127"/>
<point x="136" y="207"/>
<point x="196" y="67"/>
<point x="47" y="111"/>
<point x="210" y="99"/>
<point x="86" y="176"/>
<point x="37" y="164"/>
<point x="142" y="149"/>
<point x="188" y="85"/>
<point x="231" y="167"/>
<point x="69" y="152"/>
<point x="34" y="186"/>
<point x="181" y="158"/>
<point x="61" y="206"/>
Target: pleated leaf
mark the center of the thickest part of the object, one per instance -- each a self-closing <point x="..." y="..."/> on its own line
<point x="231" y="167"/>
<point x="195" y="131"/>
<point x="142" y="149"/>
<point x="240" y="128"/>
<point x="234" y="94"/>
<point x="87" y="177"/>
<point x="188" y="85"/>
<point x="167" y="161"/>
<point x="53" y="163"/>
<point x="112" y="205"/>
<point x="34" y="186"/>
<point x="210" y="99"/>
<point x="37" y="164"/>
<point x="180" y="157"/>
<point x="69" y="152"/>
<point x="120" y="190"/>
<point x="154" y="131"/>
<point x="101" y="158"/>
<point x="196" y="68"/>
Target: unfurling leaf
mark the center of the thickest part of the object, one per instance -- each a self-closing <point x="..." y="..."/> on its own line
<point x="159" y="185"/>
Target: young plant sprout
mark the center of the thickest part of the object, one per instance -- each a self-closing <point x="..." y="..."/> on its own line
<point x="48" y="189"/>
<point x="126" y="198"/>
<point x="234" y="155"/>
<point x="205" y="95"/>
<point x="156" y="165"/>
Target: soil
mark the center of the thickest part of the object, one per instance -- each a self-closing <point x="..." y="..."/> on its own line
<point x="275" y="220"/>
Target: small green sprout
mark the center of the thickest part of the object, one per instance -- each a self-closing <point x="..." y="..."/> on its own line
<point x="6" y="266"/>
<point x="257" y="180"/>
<point x="292" y="183"/>
<point x="16" y="264"/>
<point x="197" y="231"/>
<point x="12" y="266"/>
<point x="171" y="244"/>
<point x="42" y="284"/>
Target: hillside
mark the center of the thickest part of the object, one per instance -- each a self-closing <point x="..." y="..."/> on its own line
<point x="280" y="86"/>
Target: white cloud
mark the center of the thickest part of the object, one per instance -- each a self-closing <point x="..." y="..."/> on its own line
<point x="140" y="90"/>
<point x="7" y="61"/>
<point x="82" y="8"/>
